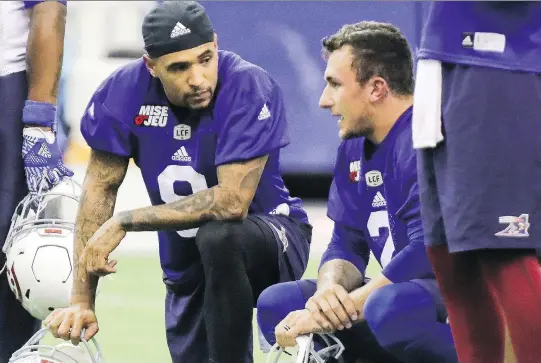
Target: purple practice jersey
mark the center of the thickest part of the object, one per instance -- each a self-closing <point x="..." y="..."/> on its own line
<point x="505" y="35"/>
<point x="374" y="202"/>
<point x="178" y="151"/>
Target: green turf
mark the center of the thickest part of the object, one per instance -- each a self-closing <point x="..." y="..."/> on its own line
<point x="130" y="310"/>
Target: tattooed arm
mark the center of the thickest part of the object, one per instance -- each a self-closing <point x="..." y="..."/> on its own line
<point x="229" y="200"/>
<point x="104" y="176"/>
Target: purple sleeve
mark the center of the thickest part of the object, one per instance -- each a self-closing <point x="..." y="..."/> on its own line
<point x="412" y="262"/>
<point x="103" y="130"/>
<point x="31" y="4"/>
<point x="335" y="207"/>
<point x="343" y="200"/>
<point x="347" y="244"/>
<point x="252" y="120"/>
<point x="340" y="205"/>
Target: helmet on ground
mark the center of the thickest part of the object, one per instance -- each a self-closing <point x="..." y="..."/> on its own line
<point x="327" y="349"/>
<point x="34" y="352"/>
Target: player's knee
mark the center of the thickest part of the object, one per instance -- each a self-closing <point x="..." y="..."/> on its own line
<point x="217" y="242"/>
<point x="382" y="311"/>
<point x="273" y="305"/>
<point x="276" y="299"/>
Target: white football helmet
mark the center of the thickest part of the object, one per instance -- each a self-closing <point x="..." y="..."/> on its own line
<point x="34" y="352"/>
<point x="39" y="249"/>
<point x="307" y="352"/>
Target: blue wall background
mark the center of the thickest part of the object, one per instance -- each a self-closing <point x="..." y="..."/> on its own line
<point x="284" y="37"/>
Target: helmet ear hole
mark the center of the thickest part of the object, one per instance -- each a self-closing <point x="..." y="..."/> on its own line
<point x="27" y="294"/>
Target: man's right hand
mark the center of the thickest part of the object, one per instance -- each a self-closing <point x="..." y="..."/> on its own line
<point x="67" y="323"/>
<point x="43" y="164"/>
<point x="332" y="307"/>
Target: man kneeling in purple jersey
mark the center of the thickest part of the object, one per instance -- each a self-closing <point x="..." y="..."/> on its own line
<point x="206" y="128"/>
<point x="397" y="316"/>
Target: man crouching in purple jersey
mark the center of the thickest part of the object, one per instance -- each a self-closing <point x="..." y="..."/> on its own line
<point x="398" y="315"/>
<point x="206" y="128"/>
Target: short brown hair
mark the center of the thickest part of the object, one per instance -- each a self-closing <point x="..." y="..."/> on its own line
<point x="379" y="49"/>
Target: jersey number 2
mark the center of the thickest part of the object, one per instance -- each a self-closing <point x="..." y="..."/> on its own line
<point x="376" y="221"/>
<point x="166" y="181"/>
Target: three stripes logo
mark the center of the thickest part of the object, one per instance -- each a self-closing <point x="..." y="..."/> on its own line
<point x="379" y="201"/>
<point x="181" y="155"/>
<point x="179" y="30"/>
<point x="264" y="114"/>
<point x="44" y="151"/>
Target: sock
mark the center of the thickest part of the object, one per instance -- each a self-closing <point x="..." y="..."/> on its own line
<point x="476" y="319"/>
<point x="515" y="276"/>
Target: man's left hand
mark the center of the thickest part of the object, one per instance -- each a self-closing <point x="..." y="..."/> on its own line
<point x="296" y="323"/>
<point x="95" y="256"/>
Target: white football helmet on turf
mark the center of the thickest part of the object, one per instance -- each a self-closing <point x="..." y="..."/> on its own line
<point x="34" y="352"/>
<point x="39" y="249"/>
<point x="307" y="352"/>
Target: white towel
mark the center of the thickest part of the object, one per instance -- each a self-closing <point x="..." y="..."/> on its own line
<point x="426" y="123"/>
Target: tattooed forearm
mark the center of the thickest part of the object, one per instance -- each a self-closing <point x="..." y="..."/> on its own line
<point x="340" y="272"/>
<point x="229" y="200"/>
<point x="104" y="175"/>
<point x="191" y="212"/>
<point x="196" y="203"/>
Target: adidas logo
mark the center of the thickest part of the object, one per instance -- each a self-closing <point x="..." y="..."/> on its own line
<point x="179" y="30"/>
<point x="181" y="155"/>
<point x="44" y="151"/>
<point x="378" y="201"/>
<point x="264" y="114"/>
<point x="467" y="42"/>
